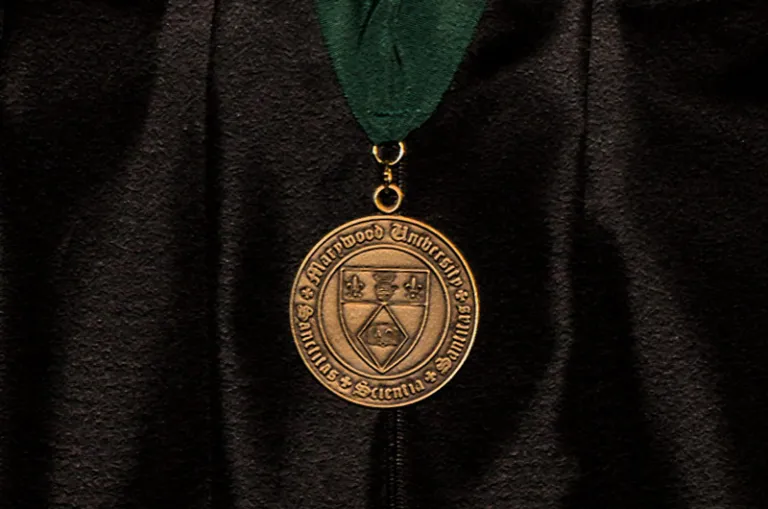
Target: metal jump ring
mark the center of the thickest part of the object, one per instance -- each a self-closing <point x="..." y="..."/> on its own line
<point x="384" y="208"/>
<point x="397" y="159"/>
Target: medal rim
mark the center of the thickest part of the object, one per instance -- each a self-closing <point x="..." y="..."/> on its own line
<point x="476" y="322"/>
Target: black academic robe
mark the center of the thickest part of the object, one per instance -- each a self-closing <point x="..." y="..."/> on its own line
<point x="166" y="165"/>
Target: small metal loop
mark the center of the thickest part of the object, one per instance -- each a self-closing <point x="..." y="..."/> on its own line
<point x="400" y="155"/>
<point x="384" y="208"/>
<point x="388" y="175"/>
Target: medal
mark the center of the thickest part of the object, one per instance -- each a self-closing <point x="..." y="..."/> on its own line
<point x="384" y="308"/>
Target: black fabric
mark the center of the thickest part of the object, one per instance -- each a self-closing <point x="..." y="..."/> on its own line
<point x="166" y="166"/>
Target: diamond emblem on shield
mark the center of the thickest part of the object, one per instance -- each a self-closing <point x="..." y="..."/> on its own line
<point x="383" y="312"/>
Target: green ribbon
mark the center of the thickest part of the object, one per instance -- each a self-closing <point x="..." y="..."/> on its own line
<point x="396" y="58"/>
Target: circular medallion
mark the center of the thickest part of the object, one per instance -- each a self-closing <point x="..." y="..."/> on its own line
<point x="384" y="311"/>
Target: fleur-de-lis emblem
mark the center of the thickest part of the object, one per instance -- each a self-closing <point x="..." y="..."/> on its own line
<point x="354" y="287"/>
<point x="413" y="288"/>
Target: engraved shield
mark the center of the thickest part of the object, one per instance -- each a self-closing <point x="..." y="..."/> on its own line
<point x="383" y="312"/>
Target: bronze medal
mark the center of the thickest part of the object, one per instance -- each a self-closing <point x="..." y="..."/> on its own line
<point x="384" y="311"/>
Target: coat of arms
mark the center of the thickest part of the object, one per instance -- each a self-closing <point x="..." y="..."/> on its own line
<point x="383" y="312"/>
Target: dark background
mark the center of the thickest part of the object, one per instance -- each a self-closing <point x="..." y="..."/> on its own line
<point x="166" y="166"/>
